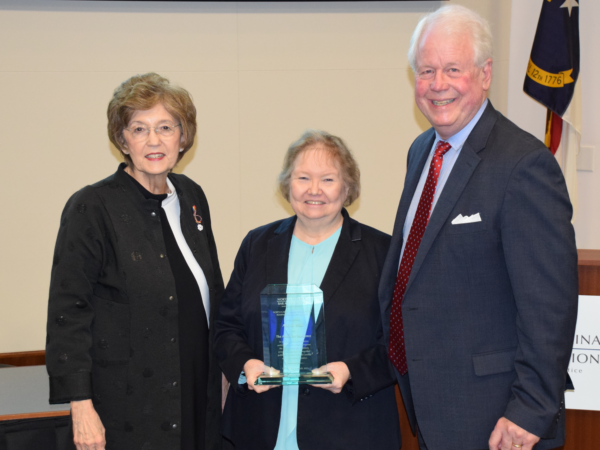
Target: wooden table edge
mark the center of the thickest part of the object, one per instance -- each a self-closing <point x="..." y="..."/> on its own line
<point x="588" y="257"/>
<point x="38" y="415"/>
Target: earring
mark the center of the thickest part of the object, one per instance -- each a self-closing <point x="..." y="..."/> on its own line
<point x="125" y="153"/>
<point x="180" y="150"/>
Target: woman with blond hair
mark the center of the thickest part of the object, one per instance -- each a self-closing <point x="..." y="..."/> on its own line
<point x="321" y="246"/>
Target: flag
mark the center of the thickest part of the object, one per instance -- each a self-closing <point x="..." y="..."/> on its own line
<point x="551" y="79"/>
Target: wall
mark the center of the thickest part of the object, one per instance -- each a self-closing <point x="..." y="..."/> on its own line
<point x="531" y="116"/>
<point x="260" y="73"/>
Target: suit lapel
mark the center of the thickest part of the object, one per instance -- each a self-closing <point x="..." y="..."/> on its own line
<point x="343" y="257"/>
<point x="413" y="175"/>
<point x="463" y="169"/>
<point x="346" y="250"/>
<point x="278" y="252"/>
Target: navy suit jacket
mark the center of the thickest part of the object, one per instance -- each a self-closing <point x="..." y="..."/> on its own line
<point x="364" y="415"/>
<point x="490" y="307"/>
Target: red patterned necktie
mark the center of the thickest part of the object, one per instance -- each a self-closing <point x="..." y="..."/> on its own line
<point x="397" y="352"/>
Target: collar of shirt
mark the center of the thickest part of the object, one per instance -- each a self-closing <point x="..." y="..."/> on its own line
<point x="458" y="140"/>
<point x="171" y="195"/>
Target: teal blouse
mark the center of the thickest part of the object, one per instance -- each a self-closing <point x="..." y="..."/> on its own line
<point x="307" y="265"/>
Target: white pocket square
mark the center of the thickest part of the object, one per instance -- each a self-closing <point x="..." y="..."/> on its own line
<point x="460" y="219"/>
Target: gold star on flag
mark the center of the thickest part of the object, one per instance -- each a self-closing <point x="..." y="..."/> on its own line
<point x="570" y="4"/>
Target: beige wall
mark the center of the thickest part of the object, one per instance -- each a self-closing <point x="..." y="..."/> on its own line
<point x="259" y="73"/>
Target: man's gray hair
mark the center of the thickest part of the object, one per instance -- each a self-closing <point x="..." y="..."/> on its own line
<point x="456" y="20"/>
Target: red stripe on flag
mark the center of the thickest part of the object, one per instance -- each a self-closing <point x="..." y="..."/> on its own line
<point x="553" y="131"/>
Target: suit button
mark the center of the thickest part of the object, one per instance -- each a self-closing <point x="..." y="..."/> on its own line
<point x="306" y="391"/>
<point x="162" y="256"/>
<point x="153" y="213"/>
<point x="175" y="383"/>
<point x="81" y="304"/>
<point x="173" y="340"/>
<point x="174" y="426"/>
<point x="171" y="298"/>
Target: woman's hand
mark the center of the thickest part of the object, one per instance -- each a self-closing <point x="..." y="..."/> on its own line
<point x="88" y="431"/>
<point x="252" y="369"/>
<point x="340" y="372"/>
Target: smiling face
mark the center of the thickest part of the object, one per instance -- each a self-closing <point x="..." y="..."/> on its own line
<point x="317" y="188"/>
<point x="449" y="88"/>
<point x="154" y="155"/>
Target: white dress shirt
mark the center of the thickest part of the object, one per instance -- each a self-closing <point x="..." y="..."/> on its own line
<point x="173" y="212"/>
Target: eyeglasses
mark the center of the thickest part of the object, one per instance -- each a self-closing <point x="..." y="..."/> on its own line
<point x="141" y="132"/>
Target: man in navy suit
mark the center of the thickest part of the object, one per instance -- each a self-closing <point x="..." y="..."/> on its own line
<point x="479" y="288"/>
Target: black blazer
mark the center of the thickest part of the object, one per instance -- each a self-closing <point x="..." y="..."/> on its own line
<point x="490" y="307"/>
<point x="364" y="415"/>
<point x="113" y="311"/>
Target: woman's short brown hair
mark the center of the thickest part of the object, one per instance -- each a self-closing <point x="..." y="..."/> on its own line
<point x="336" y="148"/>
<point x="143" y="92"/>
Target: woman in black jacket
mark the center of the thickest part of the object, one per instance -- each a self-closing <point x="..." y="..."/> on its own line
<point x="322" y="246"/>
<point x="135" y="286"/>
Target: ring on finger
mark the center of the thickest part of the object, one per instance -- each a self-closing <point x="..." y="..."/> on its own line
<point x="517" y="445"/>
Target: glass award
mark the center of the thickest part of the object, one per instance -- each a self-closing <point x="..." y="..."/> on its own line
<point x="293" y="327"/>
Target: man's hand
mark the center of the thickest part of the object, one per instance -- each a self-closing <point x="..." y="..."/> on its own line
<point x="88" y="431"/>
<point x="510" y="436"/>
<point x="340" y="373"/>
<point x="252" y="369"/>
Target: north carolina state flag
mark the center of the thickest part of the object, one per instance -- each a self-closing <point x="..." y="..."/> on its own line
<point x="551" y="79"/>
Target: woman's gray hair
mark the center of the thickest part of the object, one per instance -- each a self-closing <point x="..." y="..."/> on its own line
<point x="337" y="149"/>
<point x="456" y="20"/>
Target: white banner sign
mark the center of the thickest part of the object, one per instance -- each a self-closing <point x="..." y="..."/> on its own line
<point x="584" y="366"/>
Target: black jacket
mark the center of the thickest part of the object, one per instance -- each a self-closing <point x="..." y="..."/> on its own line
<point x="364" y="416"/>
<point x="113" y="311"/>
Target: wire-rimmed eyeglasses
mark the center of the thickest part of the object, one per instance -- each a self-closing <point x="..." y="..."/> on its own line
<point x="140" y="132"/>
